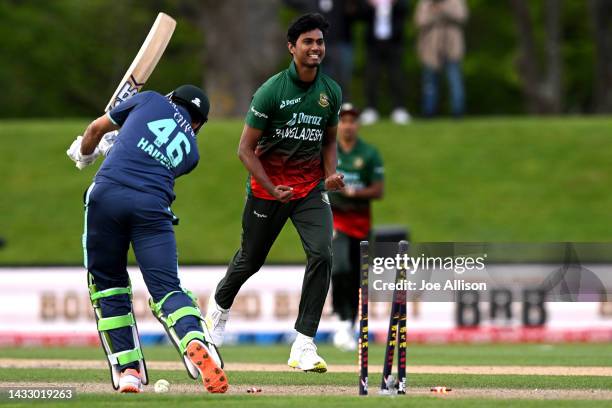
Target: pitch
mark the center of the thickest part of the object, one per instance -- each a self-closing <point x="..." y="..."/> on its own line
<point x="538" y="375"/>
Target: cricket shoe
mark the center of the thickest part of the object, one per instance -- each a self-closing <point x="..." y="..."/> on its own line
<point x="215" y="320"/>
<point x="130" y="381"/>
<point x="304" y="356"/>
<point x="344" y="338"/>
<point x="192" y="369"/>
<point x="213" y="377"/>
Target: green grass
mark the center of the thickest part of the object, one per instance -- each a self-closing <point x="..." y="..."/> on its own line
<point x="501" y="179"/>
<point x="487" y="354"/>
<point x="263" y="379"/>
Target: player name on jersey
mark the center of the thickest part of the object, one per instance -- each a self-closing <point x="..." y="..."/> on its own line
<point x="149" y="149"/>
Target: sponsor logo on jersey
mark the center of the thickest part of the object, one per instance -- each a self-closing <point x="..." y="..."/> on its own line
<point x="358" y="162"/>
<point x="309" y="119"/>
<point x="305" y="119"/>
<point x="353" y="180"/>
<point x="323" y="100"/>
<point x="289" y="102"/>
<point x="293" y="120"/>
<point x="258" y="113"/>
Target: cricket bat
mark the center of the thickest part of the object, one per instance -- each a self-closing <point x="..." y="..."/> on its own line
<point x="147" y="58"/>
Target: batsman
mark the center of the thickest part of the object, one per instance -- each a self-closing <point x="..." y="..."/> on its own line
<point x="129" y="203"/>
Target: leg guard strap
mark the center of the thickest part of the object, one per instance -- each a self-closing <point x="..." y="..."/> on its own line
<point x="182" y="312"/>
<point x="190" y="336"/>
<point x="157" y="307"/>
<point x="95" y="295"/>
<point x="116" y="322"/>
<point x="125" y="357"/>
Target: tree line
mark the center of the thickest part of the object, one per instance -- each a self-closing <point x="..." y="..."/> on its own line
<point x="63" y="58"/>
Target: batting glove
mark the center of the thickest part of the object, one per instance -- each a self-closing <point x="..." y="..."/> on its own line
<point x="81" y="160"/>
<point x="107" y="142"/>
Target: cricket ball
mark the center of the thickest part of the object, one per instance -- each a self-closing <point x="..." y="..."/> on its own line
<point x="162" y="386"/>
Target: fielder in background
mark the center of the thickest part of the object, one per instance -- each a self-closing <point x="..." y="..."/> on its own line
<point x="364" y="178"/>
<point x="288" y="146"/>
<point x="129" y="203"/>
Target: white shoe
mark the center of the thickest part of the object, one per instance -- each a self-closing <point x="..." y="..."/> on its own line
<point x="215" y="320"/>
<point x="400" y="116"/>
<point x="304" y="356"/>
<point x="130" y="381"/>
<point x="344" y="338"/>
<point x="369" y="116"/>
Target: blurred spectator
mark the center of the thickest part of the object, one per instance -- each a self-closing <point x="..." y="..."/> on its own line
<point x="385" y="21"/>
<point x="341" y="14"/>
<point x="441" y="48"/>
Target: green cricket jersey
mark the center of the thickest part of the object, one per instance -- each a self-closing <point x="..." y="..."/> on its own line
<point x="293" y="116"/>
<point x="361" y="167"/>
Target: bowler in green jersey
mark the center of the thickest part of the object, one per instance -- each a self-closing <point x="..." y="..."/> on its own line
<point x="288" y="146"/>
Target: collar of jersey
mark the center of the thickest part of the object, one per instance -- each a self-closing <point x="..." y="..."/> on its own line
<point x="355" y="146"/>
<point x="296" y="79"/>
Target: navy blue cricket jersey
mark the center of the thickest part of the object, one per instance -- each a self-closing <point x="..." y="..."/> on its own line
<point x="155" y="145"/>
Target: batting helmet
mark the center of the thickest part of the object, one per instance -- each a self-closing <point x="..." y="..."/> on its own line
<point x="194" y="100"/>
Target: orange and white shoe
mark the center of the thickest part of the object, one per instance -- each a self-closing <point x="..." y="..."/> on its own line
<point x="130" y="381"/>
<point x="213" y="377"/>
